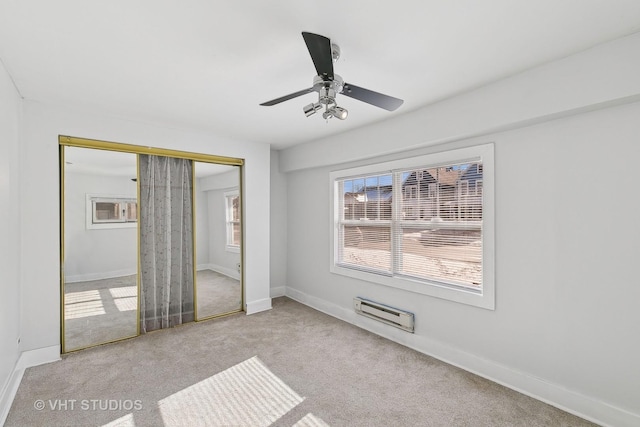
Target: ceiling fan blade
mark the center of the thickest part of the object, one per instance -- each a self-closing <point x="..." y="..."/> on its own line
<point x="387" y="102"/>
<point x="320" y="51"/>
<point x="287" y="97"/>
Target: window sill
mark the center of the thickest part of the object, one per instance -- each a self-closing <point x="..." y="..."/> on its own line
<point x="112" y="225"/>
<point x="483" y="299"/>
<point x="233" y="249"/>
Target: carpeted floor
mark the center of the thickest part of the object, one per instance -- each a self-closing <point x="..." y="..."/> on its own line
<point x="289" y="366"/>
<point x="217" y="294"/>
<point x="100" y="311"/>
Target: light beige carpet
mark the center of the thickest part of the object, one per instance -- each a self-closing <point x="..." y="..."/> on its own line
<point x="289" y="366"/>
<point x="217" y="293"/>
<point x="100" y="311"/>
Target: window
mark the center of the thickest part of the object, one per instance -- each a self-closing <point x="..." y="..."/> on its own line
<point x="411" y="192"/>
<point x="423" y="224"/>
<point x="232" y="203"/>
<point x="104" y="211"/>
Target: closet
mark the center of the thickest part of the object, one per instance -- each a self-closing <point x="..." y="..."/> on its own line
<point x="150" y="239"/>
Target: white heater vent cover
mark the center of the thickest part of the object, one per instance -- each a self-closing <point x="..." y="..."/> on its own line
<point x="391" y="316"/>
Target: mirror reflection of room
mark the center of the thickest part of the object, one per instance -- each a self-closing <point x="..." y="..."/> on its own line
<point x="114" y="221"/>
<point x="100" y="247"/>
<point x="218" y="239"/>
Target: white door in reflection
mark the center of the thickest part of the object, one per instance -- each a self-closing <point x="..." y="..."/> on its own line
<point x="218" y="230"/>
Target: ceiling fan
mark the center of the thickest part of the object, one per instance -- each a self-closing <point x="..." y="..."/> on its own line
<point x="328" y="84"/>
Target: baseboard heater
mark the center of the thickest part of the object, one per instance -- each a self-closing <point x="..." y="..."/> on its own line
<point x="385" y="314"/>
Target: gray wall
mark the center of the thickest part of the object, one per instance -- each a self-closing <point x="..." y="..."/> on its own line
<point x="92" y="254"/>
<point x="96" y="253"/>
<point x="10" y="223"/>
<point x="202" y="225"/>
<point x="213" y="212"/>
<point x="567" y="241"/>
<point x="220" y="259"/>
<point x="279" y="214"/>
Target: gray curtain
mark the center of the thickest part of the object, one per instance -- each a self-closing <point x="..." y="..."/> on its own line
<point x="166" y="242"/>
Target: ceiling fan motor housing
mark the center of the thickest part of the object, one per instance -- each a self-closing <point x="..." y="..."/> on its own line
<point x="328" y="89"/>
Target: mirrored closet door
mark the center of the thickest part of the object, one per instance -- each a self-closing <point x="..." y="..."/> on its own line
<point x="151" y="238"/>
<point x="100" y="247"/>
<point x="218" y="239"/>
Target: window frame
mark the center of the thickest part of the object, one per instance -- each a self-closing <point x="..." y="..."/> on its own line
<point x="93" y="199"/>
<point x="484" y="298"/>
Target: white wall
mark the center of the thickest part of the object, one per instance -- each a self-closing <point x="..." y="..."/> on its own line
<point x="202" y="225"/>
<point x="567" y="306"/>
<point x="92" y="254"/>
<point x="213" y="189"/>
<point x="278" y="244"/>
<point x="220" y="259"/>
<point x="10" y="222"/>
<point x="42" y="125"/>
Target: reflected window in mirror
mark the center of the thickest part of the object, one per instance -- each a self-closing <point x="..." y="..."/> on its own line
<point x="105" y="211"/>
<point x="232" y="203"/>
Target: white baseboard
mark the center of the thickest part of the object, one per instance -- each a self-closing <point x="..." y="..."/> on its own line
<point x="39" y="356"/>
<point x="122" y="273"/>
<point x="258" y="306"/>
<point x="278" y="291"/>
<point x="8" y="393"/>
<point x="26" y="360"/>
<point x="99" y="276"/>
<point x="229" y="272"/>
<point x="554" y="394"/>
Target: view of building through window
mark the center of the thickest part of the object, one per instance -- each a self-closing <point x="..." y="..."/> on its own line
<point x="433" y="231"/>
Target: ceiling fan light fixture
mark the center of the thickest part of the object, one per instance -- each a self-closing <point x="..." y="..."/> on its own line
<point x="339" y="112"/>
<point x="311" y="109"/>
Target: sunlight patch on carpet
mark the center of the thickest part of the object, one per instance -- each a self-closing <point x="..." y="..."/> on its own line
<point x="82" y="296"/>
<point x="311" y="420"/>
<point x="245" y="394"/>
<point x="124" y="291"/>
<point x="82" y="304"/>
<point x="126" y="304"/>
<point x="126" y="421"/>
<point x="83" y="309"/>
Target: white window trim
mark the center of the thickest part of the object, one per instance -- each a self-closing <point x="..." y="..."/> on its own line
<point x="230" y="247"/>
<point x="484" y="153"/>
<point x="107" y="225"/>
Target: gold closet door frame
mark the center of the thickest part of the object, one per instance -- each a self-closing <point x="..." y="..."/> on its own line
<point x="195" y="265"/>
<point x="71" y="141"/>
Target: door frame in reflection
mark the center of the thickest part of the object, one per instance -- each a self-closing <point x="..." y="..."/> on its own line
<point x="69" y="141"/>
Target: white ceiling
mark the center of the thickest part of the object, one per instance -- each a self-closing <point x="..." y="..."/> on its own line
<point x="207" y="64"/>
